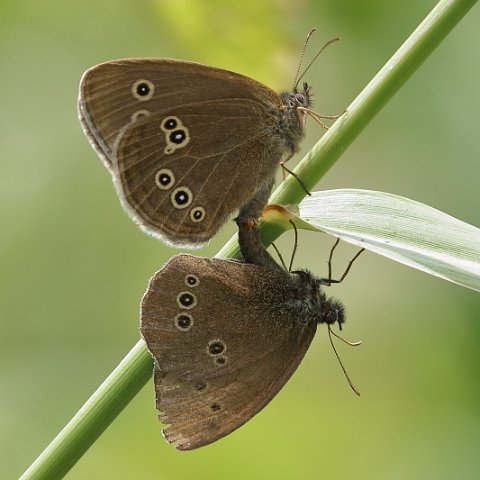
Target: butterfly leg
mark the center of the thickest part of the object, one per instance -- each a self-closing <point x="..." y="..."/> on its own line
<point x="294" y="175"/>
<point x="318" y="117"/>
<point x="295" y="246"/>
<point x="328" y="281"/>
<point x="282" y="261"/>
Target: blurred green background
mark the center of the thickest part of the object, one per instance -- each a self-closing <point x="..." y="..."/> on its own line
<point x="74" y="267"/>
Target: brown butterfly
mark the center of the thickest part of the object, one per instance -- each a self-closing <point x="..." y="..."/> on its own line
<point x="187" y="144"/>
<point x="226" y="336"/>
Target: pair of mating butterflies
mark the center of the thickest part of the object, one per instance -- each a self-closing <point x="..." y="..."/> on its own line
<point x="187" y="145"/>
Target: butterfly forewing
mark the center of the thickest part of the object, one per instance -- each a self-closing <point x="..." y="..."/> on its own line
<point x="220" y="361"/>
<point x="109" y="99"/>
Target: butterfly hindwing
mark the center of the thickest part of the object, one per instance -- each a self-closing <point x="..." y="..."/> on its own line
<point x="181" y="173"/>
<point x="224" y="343"/>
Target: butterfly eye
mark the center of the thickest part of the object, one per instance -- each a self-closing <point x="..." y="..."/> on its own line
<point x="200" y="386"/>
<point x="186" y="300"/>
<point x="143" y="90"/>
<point x="181" y="197"/>
<point x="139" y="114"/>
<point x="164" y="179"/>
<point x="191" y="280"/>
<point x="197" y="214"/>
<point x="216" y="347"/>
<point x="178" y="136"/>
<point x="220" y="360"/>
<point x="169" y="123"/>
<point x="183" y="322"/>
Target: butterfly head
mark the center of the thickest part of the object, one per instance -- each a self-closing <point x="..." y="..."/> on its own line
<point x="332" y="312"/>
<point x="298" y="98"/>
<point x="292" y="119"/>
<point x="314" y="303"/>
<point x="303" y="98"/>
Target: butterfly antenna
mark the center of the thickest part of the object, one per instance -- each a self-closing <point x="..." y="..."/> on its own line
<point x="302" y="54"/>
<point x="284" y="265"/>
<point x="297" y="77"/>
<point x="354" y="344"/>
<point x="295" y="245"/>
<point x="293" y="174"/>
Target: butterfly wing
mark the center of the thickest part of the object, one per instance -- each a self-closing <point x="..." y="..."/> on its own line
<point x="222" y="348"/>
<point x="115" y="93"/>
<point x="181" y="173"/>
<point x="187" y="144"/>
